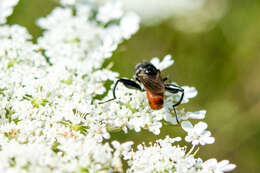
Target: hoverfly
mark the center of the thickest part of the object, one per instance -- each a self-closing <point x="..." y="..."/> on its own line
<point x="150" y="77"/>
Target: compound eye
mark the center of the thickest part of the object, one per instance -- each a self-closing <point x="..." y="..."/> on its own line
<point x="151" y="71"/>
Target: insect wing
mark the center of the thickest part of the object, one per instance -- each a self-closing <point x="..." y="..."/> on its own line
<point x="154" y="85"/>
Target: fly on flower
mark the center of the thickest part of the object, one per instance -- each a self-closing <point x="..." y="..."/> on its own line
<point x="154" y="86"/>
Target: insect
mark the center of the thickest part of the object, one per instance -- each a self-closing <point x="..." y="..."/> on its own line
<point x="150" y="77"/>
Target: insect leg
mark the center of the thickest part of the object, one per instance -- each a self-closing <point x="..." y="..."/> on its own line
<point x="128" y="83"/>
<point x="172" y="88"/>
<point x="174" y="109"/>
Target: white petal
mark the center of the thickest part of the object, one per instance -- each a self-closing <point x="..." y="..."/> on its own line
<point x="155" y="61"/>
<point x="209" y="140"/>
<point x="177" y="139"/>
<point x="229" y="167"/>
<point x="165" y="63"/>
<point x="190" y="91"/>
<point x="127" y="145"/>
<point x="200" y="126"/>
<point x="197" y="115"/>
<point x="223" y="163"/>
<point x="115" y="144"/>
<point x="212" y="161"/>
<point x="187" y="126"/>
<point x="206" y="133"/>
<point x="188" y="139"/>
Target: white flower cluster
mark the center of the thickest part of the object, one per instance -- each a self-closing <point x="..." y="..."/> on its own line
<point x="185" y="15"/>
<point x="6" y="9"/>
<point x="87" y="37"/>
<point x="163" y="156"/>
<point x="50" y="119"/>
<point x="157" y="11"/>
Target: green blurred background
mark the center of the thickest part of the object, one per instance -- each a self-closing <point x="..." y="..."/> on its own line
<point x="223" y="63"/>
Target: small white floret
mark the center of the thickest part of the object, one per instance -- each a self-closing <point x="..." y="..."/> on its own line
<point x="197" y="134"/>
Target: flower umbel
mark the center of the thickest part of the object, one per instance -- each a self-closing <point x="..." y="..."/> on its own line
<point x="197" y="134"/>
<point x="50" y="119"/>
